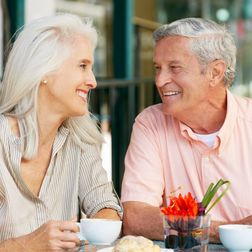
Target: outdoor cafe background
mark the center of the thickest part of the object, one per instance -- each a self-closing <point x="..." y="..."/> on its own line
<point x="123" y="59"/>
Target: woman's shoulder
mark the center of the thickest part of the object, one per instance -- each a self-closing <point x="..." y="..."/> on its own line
<point x="6" y="128"/>
<point x="81" y="147"/>
<point x="2" y="119"/>
<point x="7" y="123"/>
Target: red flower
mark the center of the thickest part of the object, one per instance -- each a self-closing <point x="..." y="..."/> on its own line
<point x="183" y="206"/>
<point x="188" y="206"/>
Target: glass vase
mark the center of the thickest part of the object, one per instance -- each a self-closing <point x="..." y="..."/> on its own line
<point x="189" y="233"/>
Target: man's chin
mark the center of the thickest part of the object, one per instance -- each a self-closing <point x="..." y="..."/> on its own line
<point x="166" y="110"/>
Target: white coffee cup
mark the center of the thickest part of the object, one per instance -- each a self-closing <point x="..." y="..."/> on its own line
<point x="79" y="234"/>
<point x="99" y="231"/>
<point x="236" y="237"/>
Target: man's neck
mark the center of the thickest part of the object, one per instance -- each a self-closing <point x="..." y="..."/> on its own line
<point x="207" y="125"/>
<point x="209" y="118"/>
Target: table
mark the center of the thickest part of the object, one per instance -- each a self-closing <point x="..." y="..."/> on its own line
<point x="211" y="247"/>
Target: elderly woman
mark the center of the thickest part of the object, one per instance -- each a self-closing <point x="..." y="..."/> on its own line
<point x="51" y="171"/>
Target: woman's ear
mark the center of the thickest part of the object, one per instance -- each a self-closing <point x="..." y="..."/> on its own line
<point x="217" y="70"/>
<point x="46" y="79"/>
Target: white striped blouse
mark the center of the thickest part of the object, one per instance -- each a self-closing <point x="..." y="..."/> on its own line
<point x="75" y="184"/>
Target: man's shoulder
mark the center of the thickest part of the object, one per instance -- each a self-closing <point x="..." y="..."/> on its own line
<point x="152" y="111"/>
<point x="154" y="118"/>
<point x="244" y="105"/>
<point x="243" y="100"/>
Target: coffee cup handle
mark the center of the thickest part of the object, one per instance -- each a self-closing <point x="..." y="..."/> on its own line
<point x="80" y="234"/>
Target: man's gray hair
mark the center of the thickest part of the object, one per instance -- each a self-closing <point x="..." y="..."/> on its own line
<point x="209" y="41"/>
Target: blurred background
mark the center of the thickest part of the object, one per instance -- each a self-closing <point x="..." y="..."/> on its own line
<point x="123" y="58"/>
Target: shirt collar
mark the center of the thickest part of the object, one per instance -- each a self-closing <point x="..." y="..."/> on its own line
<point x="225" y="130"/>
<point x="229" y="123"/>
<point x="60" y="139"/>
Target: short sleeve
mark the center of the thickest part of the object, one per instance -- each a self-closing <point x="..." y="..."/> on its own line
<point x="143" y="177"/>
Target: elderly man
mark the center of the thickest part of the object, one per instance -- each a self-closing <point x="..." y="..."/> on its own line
<point x="200" y="133"/>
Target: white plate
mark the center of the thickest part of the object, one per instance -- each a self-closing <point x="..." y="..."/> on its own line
<point x="109" y="249"/>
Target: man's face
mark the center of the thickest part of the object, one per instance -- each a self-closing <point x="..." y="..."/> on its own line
<point x="182" y="85"/>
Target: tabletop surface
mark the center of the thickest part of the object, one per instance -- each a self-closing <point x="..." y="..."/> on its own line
<point x="211" y="247"/>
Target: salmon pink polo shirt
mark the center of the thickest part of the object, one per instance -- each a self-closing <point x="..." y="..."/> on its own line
<point x="164" y="155"/>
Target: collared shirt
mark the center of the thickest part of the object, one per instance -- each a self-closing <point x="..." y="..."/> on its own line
<point x="165" y="155"/>
<point x="75" y="183"/>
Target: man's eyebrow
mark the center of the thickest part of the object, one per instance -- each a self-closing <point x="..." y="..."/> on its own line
<point x="154" y="62"/>
<point x="169" y="62"/>
<point x="174" y="62"/>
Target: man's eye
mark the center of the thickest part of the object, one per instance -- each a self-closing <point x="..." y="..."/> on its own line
<point x="157" y="68"/>
<point x="175" y="68"/>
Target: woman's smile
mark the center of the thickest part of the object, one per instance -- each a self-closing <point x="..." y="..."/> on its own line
<point x="83" y="94"/>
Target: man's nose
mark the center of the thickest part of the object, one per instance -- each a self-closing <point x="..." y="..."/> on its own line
<point x="162" y="78"/>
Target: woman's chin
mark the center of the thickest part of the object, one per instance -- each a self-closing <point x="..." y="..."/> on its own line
<point x="80" y="113"/>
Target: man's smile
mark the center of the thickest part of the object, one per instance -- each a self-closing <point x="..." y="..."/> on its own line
<point x="170" y="93"/>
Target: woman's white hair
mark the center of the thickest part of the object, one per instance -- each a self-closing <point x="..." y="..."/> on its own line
<point x="40" y="49"/>
<point x="209" y="41"/>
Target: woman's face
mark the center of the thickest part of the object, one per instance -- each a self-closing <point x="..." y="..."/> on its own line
<point x="66" y="92"/>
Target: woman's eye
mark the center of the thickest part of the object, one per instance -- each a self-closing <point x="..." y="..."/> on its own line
<point x="83" y="66"/>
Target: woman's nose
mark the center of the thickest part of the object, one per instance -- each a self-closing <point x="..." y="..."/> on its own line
<point x="91" y="80"/>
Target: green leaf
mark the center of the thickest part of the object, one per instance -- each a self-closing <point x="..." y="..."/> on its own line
<point x="207" y="194"/>
<point x="211" y="191"/>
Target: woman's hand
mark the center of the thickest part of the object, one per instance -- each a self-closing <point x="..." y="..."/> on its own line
<point x="51" y="236"/>
<point x="54" y="236"/>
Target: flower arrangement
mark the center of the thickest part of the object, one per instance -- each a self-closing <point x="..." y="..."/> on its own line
<point x="187" y="221"/>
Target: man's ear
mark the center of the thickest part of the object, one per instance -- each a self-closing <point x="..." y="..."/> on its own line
<point x="216" y="72"/>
